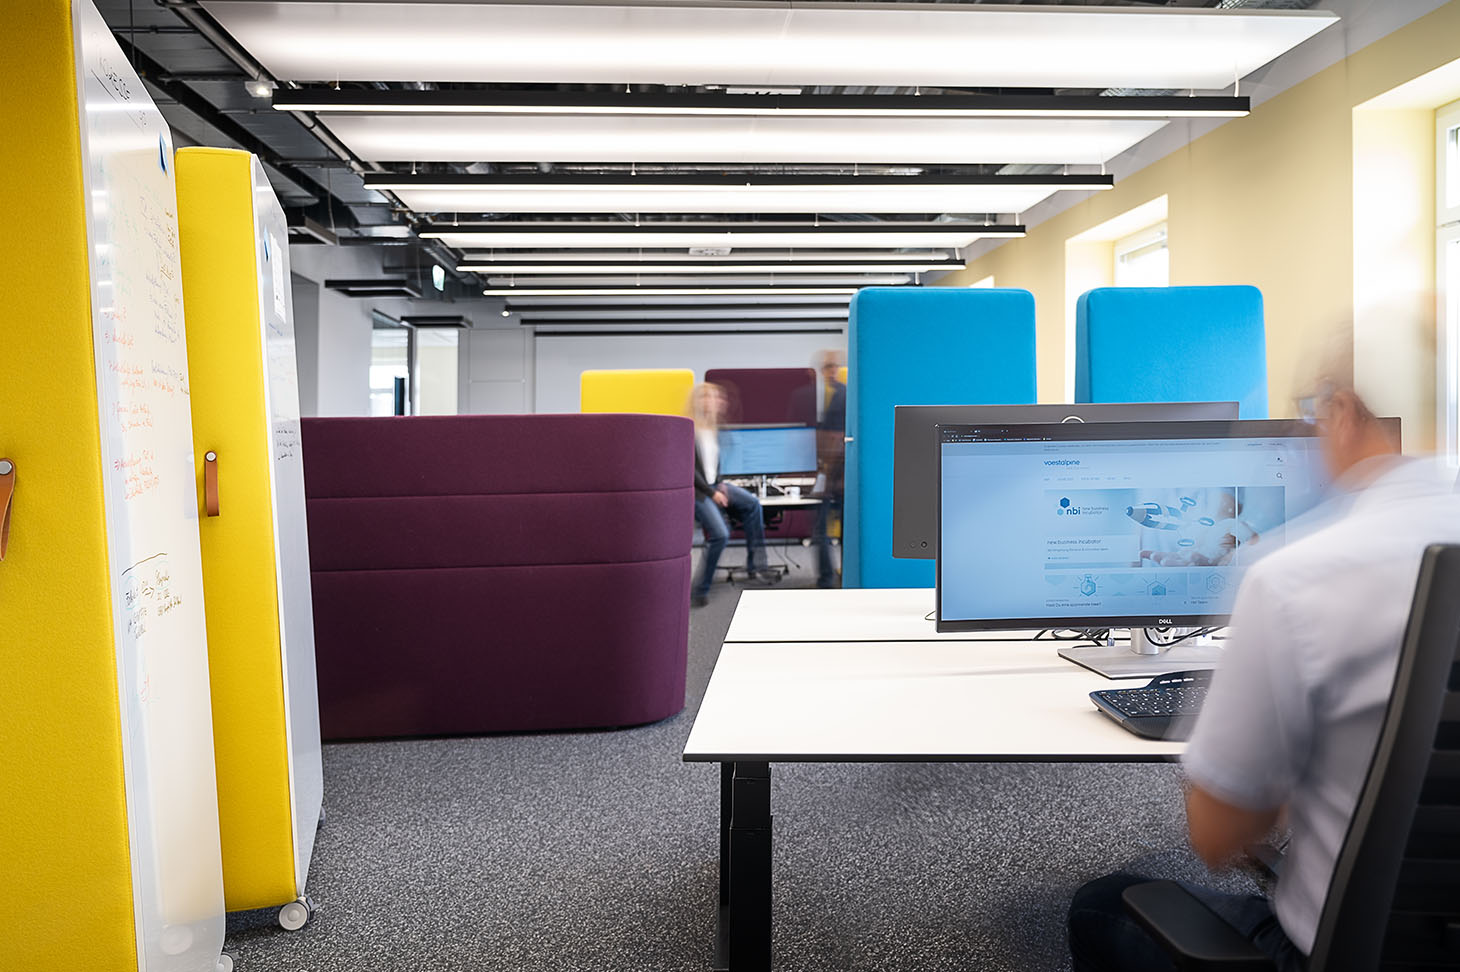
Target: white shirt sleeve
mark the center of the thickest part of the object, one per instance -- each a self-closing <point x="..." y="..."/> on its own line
<point x="1253" y="738"/>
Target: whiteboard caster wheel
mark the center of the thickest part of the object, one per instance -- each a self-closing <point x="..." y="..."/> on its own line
<point x="226" y="962"/>
<point x="294" y="915"/>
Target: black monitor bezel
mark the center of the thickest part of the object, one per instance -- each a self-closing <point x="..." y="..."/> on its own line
<point x="904" y="415"/>
<point x="1239" y="429"/>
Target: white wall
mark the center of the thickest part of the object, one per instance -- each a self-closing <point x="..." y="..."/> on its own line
<point x="560" y="359"/>
<point x="334" y="367"/>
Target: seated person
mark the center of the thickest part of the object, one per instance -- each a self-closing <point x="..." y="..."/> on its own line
<point x="1293" y="715"/>
<point x="713" y="499"/>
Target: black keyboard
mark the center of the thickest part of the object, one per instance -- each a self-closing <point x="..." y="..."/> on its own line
<point x="1165" y="708"/>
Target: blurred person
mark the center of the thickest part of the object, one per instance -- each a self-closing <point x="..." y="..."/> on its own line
<point x="714" y="499"/>
<point x="1292" y="717"/>
<point x="831" y="433"/>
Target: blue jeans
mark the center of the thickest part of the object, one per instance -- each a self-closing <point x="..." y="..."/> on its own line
<point x="1104" y="937"/>
<point x="711" y="518"/>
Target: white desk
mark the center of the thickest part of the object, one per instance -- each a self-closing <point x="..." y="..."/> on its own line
<point x="984" y="701"/>
<point x="783" y="502"/>
<point x="846" y="614"/>
<point x="906" y="701"/>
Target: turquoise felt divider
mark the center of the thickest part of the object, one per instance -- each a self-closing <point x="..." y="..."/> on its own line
<point x="920" y="346"/>
<point x="1172" y="344"/>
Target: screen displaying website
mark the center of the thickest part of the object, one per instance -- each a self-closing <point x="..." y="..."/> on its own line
<point x="1109" y="529"/>
<point x="767" y="452"/>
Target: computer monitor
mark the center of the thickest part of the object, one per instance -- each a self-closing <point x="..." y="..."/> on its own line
<point x="915" y="452"/>
<point x="1101" y="525"/>
<point x="768" y="451"/>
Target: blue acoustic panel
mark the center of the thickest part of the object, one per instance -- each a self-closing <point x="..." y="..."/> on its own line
<point x="920" y="346"/>
<point x="1172" y="344"/>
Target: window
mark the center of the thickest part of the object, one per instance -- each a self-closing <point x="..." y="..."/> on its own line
<point x="390" y="369"/>
<point x="1447" y="275"/>
<point x="1142" y="259"/>
<point x="984" y="282"/>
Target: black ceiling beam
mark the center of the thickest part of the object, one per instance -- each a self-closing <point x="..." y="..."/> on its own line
<point x="458" y="101"/>
<point x="160" y="78"/>
<point x="614" y="228"/>
<point x="457" y="180"/>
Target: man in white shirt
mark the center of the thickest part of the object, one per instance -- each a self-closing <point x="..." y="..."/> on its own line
<point x="1293" y="714"/>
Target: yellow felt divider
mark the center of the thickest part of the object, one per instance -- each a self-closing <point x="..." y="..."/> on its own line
<point x="656" y="391"/>
<point x="66" y="898"/>
<point x="217" y="238"/>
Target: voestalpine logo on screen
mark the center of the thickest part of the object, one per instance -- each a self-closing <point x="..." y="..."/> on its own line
<point x="1061" y="462"/>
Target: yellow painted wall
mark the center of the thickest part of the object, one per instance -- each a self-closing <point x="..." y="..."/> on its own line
<point x="1266" y="200"/>
<point x="66" y="900"/>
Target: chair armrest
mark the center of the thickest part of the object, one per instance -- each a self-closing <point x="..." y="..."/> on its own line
<point x="1193" y="934"/>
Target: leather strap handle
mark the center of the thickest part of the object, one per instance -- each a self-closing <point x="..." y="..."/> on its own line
<point x="7" y="490"/>
<point x="210" y="483"/>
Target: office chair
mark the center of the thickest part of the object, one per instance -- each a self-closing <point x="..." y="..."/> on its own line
<point x="1394" y="901"/>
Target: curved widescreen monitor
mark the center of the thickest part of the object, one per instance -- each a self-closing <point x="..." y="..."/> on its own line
<point x="1113" y="524"/>
<point x="915" y="458"/>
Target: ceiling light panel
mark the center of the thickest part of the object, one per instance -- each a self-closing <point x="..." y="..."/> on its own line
<point x="710" y="261"/>
<point x="550" y="269"/>
<point x="439" y="101"/>
<point x="660" y="291"/>
<point x="727" y="199"/>
<point x="834" y="235"/>
<point x="655" y="280"/>
<point x="772" y="140"/>
<point x="765" y="44"/>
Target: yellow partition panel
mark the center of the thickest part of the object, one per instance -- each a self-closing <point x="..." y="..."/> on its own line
<point x="106" y="859"/>
<point x="266" y="777"/>
<point x="656" y="391"/>
<point x="63" y="800"/>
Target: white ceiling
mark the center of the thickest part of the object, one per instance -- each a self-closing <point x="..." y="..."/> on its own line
<point x="763" y="43"/>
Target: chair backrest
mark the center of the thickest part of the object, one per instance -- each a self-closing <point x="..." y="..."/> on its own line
<point x="1394" y="901"/>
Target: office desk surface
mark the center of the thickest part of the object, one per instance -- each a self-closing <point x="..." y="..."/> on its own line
<point x="784" y="502"/>
<point x="907" y="701"/>
<point x="845" y="614"/>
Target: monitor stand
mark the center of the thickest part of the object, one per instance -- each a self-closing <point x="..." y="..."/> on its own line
<point x="1142" y="658"/>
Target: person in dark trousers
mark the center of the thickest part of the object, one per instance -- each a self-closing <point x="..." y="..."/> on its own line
<point x="714" y="499"/>
<point x="831" y="433"/>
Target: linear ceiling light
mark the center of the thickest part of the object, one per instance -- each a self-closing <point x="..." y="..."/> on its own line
<point x="530" y="269"/>
<point x="701" y="194"/>
<point x="637" y="281"/>
<point x="689" y="234"/>
<point x="373" y="101"/>
<point x="661" y="291"/>
<point x="766" y="44"/>
<point x="714" y="257"/>
<point x="726" y="140"/>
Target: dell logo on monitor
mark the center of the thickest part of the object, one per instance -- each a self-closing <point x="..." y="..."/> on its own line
<point x="1164" y="622"/>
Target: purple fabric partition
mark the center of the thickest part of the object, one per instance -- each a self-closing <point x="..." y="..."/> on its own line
<point x="488" y="573"/>
<point x="768" y="396"/>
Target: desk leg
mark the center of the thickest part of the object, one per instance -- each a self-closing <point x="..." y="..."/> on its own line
<point x="745" y="868"/>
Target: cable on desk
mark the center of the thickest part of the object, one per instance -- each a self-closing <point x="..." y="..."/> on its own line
<point x="1167" y="643"/>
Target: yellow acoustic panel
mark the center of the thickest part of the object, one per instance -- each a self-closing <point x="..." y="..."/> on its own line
<point x="656" y="391"/>
<point x="66" y="898"/>
<point x="230" y="418"/>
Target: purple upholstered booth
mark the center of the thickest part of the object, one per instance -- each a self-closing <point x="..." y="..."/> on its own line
<point x="768" y="396"/>
<point x="486" y="573"/>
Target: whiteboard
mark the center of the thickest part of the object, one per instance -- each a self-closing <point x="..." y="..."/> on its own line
<point x="291" y="532"/>
<point x="151" y="508"/>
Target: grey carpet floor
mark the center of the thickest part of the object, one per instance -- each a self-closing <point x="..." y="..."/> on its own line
<point x="598" y="851"/>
